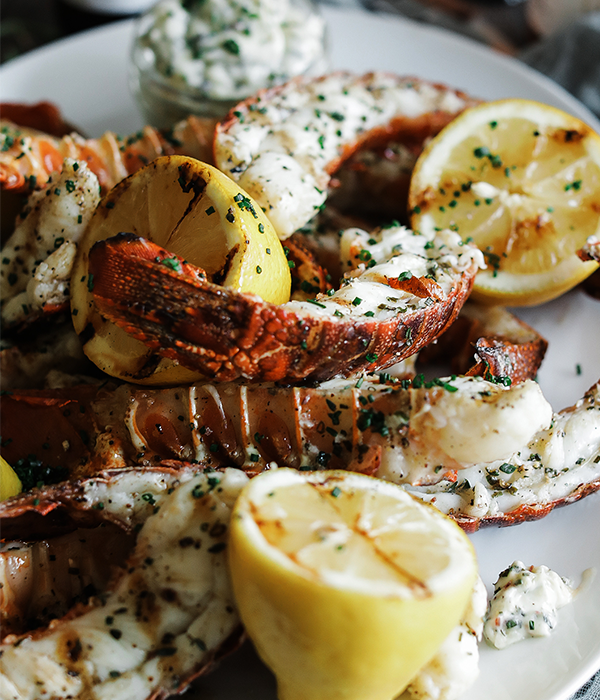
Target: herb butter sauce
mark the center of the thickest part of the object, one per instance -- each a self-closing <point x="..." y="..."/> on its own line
<point x="525" y="604"/>
<point x="226" y="50"/>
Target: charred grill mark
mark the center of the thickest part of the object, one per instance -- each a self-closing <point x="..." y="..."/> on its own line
<point x="87" y="333"/>
<point x="220" y="276"/>
<point x="136" y="602"/>
<point x="151" y="362"/>
<point x="188" y="181"/>
<point x="570" y="135"/>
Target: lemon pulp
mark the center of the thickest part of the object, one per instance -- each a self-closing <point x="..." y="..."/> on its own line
<point x="522" y="180"/>
<point x="195" y="211"/>
<point x="346" y="584"/>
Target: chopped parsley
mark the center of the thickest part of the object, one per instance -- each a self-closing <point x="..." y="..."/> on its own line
<point x="33" y="472"/>
<point x="172" y="263"/>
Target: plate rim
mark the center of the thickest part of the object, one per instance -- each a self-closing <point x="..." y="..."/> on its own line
<point x="461" y="41"/>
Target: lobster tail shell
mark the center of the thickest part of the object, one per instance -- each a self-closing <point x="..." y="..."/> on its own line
<point x="161" y="620"/>
<point x="226" y="335"/>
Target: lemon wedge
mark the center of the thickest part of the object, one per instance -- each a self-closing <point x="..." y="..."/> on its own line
<point x="195" y="211"/>
<point x="10" y="484"/>
<point x="346" y="584"/>
<point x="522" y="180"/>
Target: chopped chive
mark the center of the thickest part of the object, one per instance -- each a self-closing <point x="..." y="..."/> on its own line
<point x="231" y="46"/>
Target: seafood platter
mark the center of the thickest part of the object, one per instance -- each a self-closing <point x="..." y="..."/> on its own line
<point x="148" y="378"/>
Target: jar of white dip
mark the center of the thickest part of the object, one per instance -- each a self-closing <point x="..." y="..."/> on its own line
<point x="204" y="56"/>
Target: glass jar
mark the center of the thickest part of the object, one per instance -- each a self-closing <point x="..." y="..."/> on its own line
<point x="203" y="57"/>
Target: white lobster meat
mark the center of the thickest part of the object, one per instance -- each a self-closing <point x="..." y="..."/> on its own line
<point x="38" y="258"/>
<point x="166" y="615"/>
<point x="283" y="145"/>
<point x="559" y="465"/>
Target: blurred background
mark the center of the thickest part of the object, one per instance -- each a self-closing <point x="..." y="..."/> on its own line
<point x="26" y="24"/>
<point x="560" y="38"/>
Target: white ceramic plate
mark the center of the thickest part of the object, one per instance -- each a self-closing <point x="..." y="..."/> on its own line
<point x="86" y="75"/>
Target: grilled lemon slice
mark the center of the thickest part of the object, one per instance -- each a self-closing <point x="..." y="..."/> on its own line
<point x="345" y="583"/>
<point x="522" y="180"/>
<point x="195" y="211"/>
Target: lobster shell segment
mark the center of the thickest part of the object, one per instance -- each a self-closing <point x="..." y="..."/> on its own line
<point x="226" y="335"/>
<point x="28" y="157"/>
<point x="481" y="452"/>
<point x="489" y="341"/>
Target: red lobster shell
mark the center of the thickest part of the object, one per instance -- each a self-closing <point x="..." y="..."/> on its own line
<point x="226" y="335"/>
<point x="372" y="425"/>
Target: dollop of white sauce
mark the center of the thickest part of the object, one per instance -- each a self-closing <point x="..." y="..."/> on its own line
<point x="229" y="49"/>
<point x="525" y="604"/>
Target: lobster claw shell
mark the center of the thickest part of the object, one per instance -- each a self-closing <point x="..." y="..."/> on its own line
<point x="226" y="335"/>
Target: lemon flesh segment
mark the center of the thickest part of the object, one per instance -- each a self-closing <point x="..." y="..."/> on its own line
<point x="346" y="584"/>
<point x="522" y="180"/>
<point x="195" y="211"/>
<point x="10" y="484"/>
